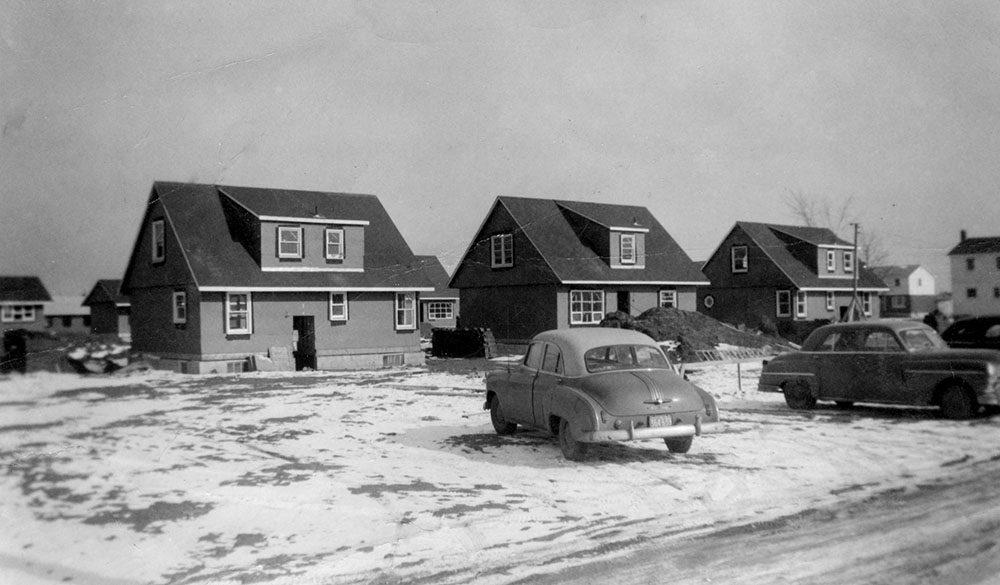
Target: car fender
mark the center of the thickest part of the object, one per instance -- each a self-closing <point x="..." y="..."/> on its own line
<point x="573" y="405"/>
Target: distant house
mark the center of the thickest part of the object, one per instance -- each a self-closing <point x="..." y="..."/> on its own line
<point x="22" y="303"/>
<point x="440" y="307"/>
<point x="787" y="276"/>
<point x="66" y="314"/>
<point x="109" y="309"/>
<point x="538" y="264"/>
<point x="911" y="293"/>
<point x="975" y="276"/>
<point x="221" y="275"/>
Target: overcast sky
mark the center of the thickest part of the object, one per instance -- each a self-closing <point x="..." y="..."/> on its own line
<point x="707" y="113"/>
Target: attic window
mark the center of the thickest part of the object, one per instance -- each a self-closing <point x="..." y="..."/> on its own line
<point x="627" y="248"/>
<point x="502" y="250"/>
<point x="739" y="259"/>
<point x="334" y="244"/>
<point x="289" y="242"/>
<point x="158" y="247"/>
<point x="848" y="261"/>
<point x="831" y="260"/>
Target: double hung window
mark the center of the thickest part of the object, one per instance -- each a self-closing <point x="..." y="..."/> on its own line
<point x="239" y="314"/>
<point x="334" y="244"/>
<point x="338" y="306"/>
<point x="158" y="241"/>
<point x="800" y="304"/>
<point x="180" y="307"/>
<point x="668" y="299"/>
<point x="289" y="242"/>
<point x="405" y="311"/>
<point x="627" y="242"/>
<point x="783" y="302"/>
<point x="740" y="262"/>
<point x="502" y="251"/>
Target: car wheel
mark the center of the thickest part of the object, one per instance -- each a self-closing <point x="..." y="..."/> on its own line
<point x="681" y="445"/>
<point x="957" y="403"/>
<point x="572" y="449"/>
<point x="500" y="424"/>
<point x="799" y="397"/>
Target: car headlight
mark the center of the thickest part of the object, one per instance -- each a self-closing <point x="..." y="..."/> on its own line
<point x="992" y="369"/>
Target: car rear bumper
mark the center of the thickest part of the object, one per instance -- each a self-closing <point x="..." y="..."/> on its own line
<point x="645" y="433"/>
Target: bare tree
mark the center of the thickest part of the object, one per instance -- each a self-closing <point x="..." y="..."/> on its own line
<point x="839" y="218"/>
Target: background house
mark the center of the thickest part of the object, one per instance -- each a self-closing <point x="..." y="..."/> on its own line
<point x="66" y="314"/>
<point x="223" y="275"/>
<point x="109" y="308"/>
<point x="438" y="308"/>
<point x="22" y="303"/>
<point x="538" y="264"/>
<point x="912" y="291"/>
<point x="788" y="276"/>
<point x="975" y="276"/>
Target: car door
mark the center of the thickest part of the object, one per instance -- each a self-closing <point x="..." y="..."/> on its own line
<point x="517" y="405"/>
<point x="880" y="367"/>
<point x="836" y="363"/>
<point x="550" y="375"/>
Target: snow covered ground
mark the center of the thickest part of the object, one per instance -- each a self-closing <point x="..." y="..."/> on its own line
<point x="397" y="476"/>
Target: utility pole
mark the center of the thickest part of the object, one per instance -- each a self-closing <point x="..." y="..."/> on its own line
<point x="855" y="307"/>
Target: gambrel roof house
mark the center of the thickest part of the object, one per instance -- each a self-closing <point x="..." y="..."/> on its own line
<point x="781" y="274"/>
<point x="22" y="302"/>
<point x="109" y="308"/>
<point x="220" y="274"/>
<point x="975" y="276"/>
<point x="538" y="264"/>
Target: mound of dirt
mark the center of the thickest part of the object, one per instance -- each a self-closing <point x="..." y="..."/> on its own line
<point x="690" y="330"/>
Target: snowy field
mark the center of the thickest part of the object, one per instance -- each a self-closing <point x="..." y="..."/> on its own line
<point x="397" y="476"/>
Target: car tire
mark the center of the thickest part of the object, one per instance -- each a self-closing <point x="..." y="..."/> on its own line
<point x="798" y="396"/>
<point x="500" y="424"/>
<point x="572" y="449"/>
<point x="679" y="445"/>
<point x="957" y="403"/>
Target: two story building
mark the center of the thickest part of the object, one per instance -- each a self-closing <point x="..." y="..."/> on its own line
<point x="911" y="290"/>
<point x="22" y="303"/>
<point x="787" y="276"/>
<point x="975" y="276"/>
<point x="539" y="264"/>
<point x="220" y="274"/>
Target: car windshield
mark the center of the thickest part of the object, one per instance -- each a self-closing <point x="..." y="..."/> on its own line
<point x="623" y="357"/>
<point x="921" y="340"/>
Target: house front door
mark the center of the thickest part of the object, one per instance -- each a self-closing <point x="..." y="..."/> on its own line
<point x="624" y="303"/>
<point x="304" y="334"/>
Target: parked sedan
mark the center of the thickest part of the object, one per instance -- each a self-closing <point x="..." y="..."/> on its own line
<point x="975" y="332"/>
<point x="599" y="385"/>
<point x="885" y="361"/>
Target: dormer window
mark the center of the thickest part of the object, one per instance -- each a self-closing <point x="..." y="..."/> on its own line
<point x="158" y="242"/>
<point x="831" y="260"/>
<point x="739" y="259"/>
<point x="334" y="244"/>
<point x="502" y="250"/>
<point x="627" y="248"/>
<point x="848" y="261"/>
<point x="289" y="242"/>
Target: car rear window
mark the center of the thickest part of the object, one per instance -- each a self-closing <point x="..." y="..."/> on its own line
<point x="623" y="357"/>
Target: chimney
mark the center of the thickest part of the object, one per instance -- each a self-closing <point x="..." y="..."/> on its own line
<point x="962" y="235"/>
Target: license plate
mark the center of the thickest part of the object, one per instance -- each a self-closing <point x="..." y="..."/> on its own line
<point x="660" y="420"/>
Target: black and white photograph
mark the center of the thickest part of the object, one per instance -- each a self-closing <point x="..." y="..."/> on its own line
<point x="499" y="293"/>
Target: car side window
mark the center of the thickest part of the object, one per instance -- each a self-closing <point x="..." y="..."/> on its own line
<point x="553" y="360"/>
<point x="993" y="332"/>
<point x="533" y="359"/>
<point x="881" y="341"/>
<point x="829" y="343"/>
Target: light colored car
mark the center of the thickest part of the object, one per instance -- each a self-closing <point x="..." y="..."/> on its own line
<point x="598" y="385"/>
<point x="885" y="361"/>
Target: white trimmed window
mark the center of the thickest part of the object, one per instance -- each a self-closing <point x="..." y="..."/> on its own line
<point x="848" y="261"/>
<point x="586" y="306"/>
<point x="668" y="299"/>
<point x="158" y="241"/>
<point x="830" y="304"/>
<point x="831" y="260"/>
<point x="627" y="242"/>
<point x="17" y="313"/>
<point x="439" y="310"/>
<point x="866" y="303"/>
<point x="405" y="311"/>
<point x="898" y="301"/>
<point x="338" y="306"/>
<point x="334" y="244"/>
<point x="783" y="303"/>
<point x="502" y="251"/>
<point x="800" y="304"/>
<point x="239" y="313"/>
<point x="180" y="307"/>
<point x="289" y="242"/>
<point x="739" y="259"/>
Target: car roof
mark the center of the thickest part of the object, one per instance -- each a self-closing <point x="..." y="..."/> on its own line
<point x="894" y="324"/>
<point x="582" y="339"/>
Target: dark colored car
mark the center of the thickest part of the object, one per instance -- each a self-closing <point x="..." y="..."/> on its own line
<point x="599" y="385"/>
<point x="975" y="332"/>
<point x="885" y="361"/>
